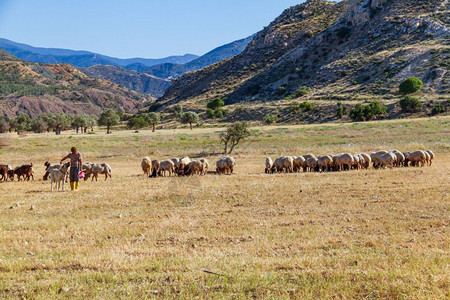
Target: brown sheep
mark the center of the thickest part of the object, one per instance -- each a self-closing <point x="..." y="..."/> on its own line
<point x="146" y="165"/>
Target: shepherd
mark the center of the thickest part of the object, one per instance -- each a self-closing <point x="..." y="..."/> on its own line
<point x="75" y="167"/>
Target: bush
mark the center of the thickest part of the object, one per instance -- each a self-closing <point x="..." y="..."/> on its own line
<point x="137" y="122"/>
<point x="343" y="31"/>
<point x="341" y="110"/>
<point x="410" y="85"/>
<point x="306" y="106"/>
<point x="410" y="104"/>
<point x="367" y="112"/>
<point x="437" y="109"/>
<point x="269" y="119"/>
<point x="281" y="91"/>
<point x="216" y="103"/>
<point x="302" y="91"/>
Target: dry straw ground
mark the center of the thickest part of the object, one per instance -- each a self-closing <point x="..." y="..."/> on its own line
<point x="374" y="233"/>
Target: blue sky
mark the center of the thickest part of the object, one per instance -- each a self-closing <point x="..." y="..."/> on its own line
<point x="136" y="28"/>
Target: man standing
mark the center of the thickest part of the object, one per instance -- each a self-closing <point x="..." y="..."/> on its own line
<point x="76" y="164"/>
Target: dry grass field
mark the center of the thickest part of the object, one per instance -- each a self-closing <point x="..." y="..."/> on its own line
<point x="357" y="234"/>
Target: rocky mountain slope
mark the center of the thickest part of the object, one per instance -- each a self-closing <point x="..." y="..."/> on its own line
<point x="83" y="59"/>
<point x="37" y="88"/>
<point x="341" y="50"/>
<point x="136" y="81"/>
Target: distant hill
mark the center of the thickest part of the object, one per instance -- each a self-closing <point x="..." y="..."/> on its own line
<point x="170" y="70"/>
<point x="340" y="50"/>
<point x="82" y="59"/>
<point x="136" y="81"/>
<point x="140" y="78"/>
<point x="38" y="88"/>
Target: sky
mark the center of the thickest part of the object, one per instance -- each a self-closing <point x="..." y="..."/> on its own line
<point x="136" y="28"/>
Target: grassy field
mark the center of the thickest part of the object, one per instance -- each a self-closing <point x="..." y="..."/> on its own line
<point x="356" y="234"/>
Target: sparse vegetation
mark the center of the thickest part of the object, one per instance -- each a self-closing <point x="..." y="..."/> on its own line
<point x="437" y="109"/>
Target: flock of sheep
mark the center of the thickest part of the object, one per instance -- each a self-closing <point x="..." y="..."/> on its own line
<point x="185" y="166"/>
<point x="347" y="161"/>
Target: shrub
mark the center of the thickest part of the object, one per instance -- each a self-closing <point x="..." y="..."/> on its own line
<point x="343" y="31"/>
<point x="281" y="91"/>
<point x="269" y="119"/>
<point x="302" y="91"/>
<point x="341" y="110"/>
<point x="306" y="106"/>
<point x="137" y="122"/>
<point x="234" y="134"/>
<point x="210" y="113"/>
<point x="216" y="103"/>
<point x="410" y="104"/>
<point x="367" y="112"/>
<point x="410" y="85"/>
<point x="437" y="109"/>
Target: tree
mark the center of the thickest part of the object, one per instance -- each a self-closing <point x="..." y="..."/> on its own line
<point x="137" y="122"/>
<point x="190" y="117"/>
<point x="234" y="135"/>
<point x="22" y="122"/>
<point x="39" y="125"/>
<point x="153" y="119"/>
<point x="4" y="124"/>
<point x="91" y="122"/>
<point x="410" y="85"/>
<point x="410" y="104"/>
<point x="108" y="118"/>
<point x="60" y="121"/>
<point x="79" y="121"/>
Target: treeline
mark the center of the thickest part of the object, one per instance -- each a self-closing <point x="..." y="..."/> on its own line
<point x="47" y="122"/>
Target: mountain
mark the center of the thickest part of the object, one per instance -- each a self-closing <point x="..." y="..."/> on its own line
<point x="340" y="50"/>
<point x="136" y="81"/>
<point x="142" y="79"/>
<point x="170" y="70"/>
<point x="38" y="88"/>
<point x="82" y="59"/>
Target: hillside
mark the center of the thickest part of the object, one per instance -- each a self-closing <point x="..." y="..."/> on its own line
<point x="82" y="59"/>
<point x="341" y="50"/>
<point x="37" y="88"/>
<point x="169" y="70"/>
<point x="136" y="81"/>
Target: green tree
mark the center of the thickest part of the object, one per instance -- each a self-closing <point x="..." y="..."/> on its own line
<point x="108" y="118"/>
<point x="60" y="122"/>
<point x="79" y="121"/>
<point x="22" y="122"/>
<point x="153" y="119"/>
<point x="234" y="135"/>
<point x="410" y="104"/>
<point x="410" y="85"/>
<point x="39" y="125"/>
<point x="137" y="122"/>
<point x="90" y="123"/>
<point x="190" y="117"/>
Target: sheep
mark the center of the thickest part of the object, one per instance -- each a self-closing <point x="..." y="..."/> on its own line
<point x="400" y="158"/>
<point x="366" y="160"/>
<point x="427" y="158"/>
<point x="57" y="176"/>
<point x="356" y="162"/>
<point x="182" y="163"/>
<point x="388" y="159"/>
<point x="269" y="164"/>
<point x="155" y="168"/>
<point x="344" y="161"/>
<point x="288" y="163"/>
<point x="146" y="165"/>
<point x="375" y="157"/>
<point x="431" y="156"/>
<point x="277" y="165"/>
<point x="175" y="160"/>
<point x="194" y="167"/>
<point x="311" y="163"/>
<point x="417" y="157"/>
<point x="298" y="163"/>
<point x="324" y="163"/>
<point x="225" y="165"/>
<point x="94" y="169"/>
<point x="205" y="163"/>
<point x="166" y="165"/>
